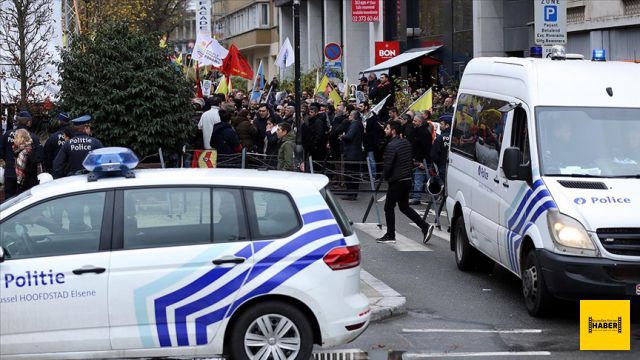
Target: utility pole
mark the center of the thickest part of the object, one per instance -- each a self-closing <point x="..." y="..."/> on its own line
<point x="299" y="150"/>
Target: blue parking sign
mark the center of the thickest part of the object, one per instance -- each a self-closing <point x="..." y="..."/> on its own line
<point x="551" y="13"/>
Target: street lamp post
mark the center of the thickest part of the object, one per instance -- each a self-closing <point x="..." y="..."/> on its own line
<point x="299" y="151"/>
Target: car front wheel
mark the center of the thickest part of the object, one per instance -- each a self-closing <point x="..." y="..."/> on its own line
<point x="272" y="330"/>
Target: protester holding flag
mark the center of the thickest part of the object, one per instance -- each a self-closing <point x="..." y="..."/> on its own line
<point x="385" y="90"/>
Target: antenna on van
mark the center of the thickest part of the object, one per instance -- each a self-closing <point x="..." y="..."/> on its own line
<point x="508" y="107"/>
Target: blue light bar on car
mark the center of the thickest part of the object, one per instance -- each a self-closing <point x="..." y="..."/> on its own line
<point x="110" y="159"/>
<point x="598" y="55"/>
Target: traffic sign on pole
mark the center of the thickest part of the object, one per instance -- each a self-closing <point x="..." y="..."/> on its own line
<point x="332" y="51"/>
<point x="550" y="22"/>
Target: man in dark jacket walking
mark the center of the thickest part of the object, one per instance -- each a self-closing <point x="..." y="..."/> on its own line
<point x="397" y="171"/>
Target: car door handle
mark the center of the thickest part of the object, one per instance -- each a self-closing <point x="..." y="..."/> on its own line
<point x="228" y="260"/>
<point x="505" y="184"/>
<point x="89" y="269"/>
<point x="496" y="180"/>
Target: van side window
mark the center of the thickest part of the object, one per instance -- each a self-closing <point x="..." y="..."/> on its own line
<point x="520" y="135"/>
<point x="271" y="214"/>
<point x="479" y="129"/>
<point x="62" y="226"/>
<point x="159" y="217"/>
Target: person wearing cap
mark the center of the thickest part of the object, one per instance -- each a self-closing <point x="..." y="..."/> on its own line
<point x="55" y="142"/>
<point x="23" y="121"/>
<point x="69" y="159"/>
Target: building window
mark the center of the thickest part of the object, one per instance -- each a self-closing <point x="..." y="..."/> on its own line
<point x="264" y="14"/>
<point x="631" y="7"/>
<point x="247" y="19"/>
<point x="576" y="14"/>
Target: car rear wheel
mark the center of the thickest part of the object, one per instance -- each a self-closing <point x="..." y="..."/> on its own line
<point x="272" y="330"/>
<point x="536" y="296"/>
<point x="466" y="255"/>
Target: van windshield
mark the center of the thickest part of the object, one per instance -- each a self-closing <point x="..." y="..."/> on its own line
<point x="589" y="142"/>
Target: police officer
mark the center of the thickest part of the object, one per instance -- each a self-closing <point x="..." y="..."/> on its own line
<point x="72" y="153"/>
<point x="55" y="142"/>
<point x="23" y="121"/>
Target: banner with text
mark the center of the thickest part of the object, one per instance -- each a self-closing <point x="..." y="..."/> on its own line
<point x="203" y="17"/>
<point x="365" y="10"/>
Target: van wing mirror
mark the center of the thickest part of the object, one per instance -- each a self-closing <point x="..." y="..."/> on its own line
<point x="2" y="252"/>
<point x="511" y="166"/>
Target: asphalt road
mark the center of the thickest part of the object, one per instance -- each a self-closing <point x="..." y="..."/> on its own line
<point x="460" y="314"/>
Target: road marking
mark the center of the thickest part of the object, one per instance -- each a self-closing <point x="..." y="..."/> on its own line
<point x="383" y="198"/>
<point x="475" y="354"/>
<point x="476" y="331"/>
<point x="403" y="243"/>
<point x="439" y="233"/>
<point x="432" y="212"/>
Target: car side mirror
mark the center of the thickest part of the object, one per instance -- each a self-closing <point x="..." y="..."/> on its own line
<point x="512" y="167"/>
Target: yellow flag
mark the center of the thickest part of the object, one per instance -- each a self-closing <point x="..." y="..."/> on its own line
<point x="333" y="95"/>
<point x="322" y="87"/>
<point x="223" y="87"/>
<point x="424" y="102"/>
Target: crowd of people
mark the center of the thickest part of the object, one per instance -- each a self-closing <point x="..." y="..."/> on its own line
<point x="346" y="140"/>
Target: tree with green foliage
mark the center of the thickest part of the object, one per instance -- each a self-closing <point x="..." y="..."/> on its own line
<point x="125" y="81"/>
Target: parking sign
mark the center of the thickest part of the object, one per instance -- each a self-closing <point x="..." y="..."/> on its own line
<point x="551" y="22"/>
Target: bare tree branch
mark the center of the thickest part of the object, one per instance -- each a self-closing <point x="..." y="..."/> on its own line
<point x="27" y="27"/>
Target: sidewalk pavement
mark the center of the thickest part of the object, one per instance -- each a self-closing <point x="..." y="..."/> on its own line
<point x="385" y="302"/>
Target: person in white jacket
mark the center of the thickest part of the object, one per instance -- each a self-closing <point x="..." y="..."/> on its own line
<point x="207" y="121"/>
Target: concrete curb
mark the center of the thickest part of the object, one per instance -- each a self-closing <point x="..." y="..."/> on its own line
<point x="384" y="301"/>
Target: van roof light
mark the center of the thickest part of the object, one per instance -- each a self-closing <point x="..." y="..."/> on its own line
<point x="110" y="161"/>
<point x="558" y="53"/>
<point x="535" y="52"/>
<point x="598" y="55"/>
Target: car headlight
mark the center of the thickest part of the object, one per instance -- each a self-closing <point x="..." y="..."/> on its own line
<point x="569" y="235"/>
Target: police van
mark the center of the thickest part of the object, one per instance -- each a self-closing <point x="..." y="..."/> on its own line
<point x="177" y="263"/>
<point x="544" y="175"/>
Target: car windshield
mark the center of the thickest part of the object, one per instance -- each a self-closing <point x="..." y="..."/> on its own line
<point x="589" y="142"/>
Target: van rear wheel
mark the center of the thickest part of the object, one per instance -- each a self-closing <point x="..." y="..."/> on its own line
<point x="466" y="255"/>
<point x="537" y="298"/>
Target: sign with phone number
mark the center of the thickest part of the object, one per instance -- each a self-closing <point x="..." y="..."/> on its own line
<point x="365" y="10"/>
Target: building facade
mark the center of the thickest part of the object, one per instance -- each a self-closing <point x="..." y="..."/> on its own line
<point x="252" y="25"/>
<point x="415" y="24"/>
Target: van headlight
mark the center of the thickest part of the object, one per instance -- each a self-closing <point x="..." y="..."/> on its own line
<point x="569" y="235"/>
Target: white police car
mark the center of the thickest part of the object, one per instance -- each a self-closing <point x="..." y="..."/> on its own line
<point x="181" y="262"/>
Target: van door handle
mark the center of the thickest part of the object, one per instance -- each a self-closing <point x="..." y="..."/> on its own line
<point x="89" y="269"/>
<point x="505" y="184"/>
<point x="228" y="260"/>
<point x="496" y="180"/>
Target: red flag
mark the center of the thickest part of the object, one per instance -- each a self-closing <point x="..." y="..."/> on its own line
<point x="236" y="64"/>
